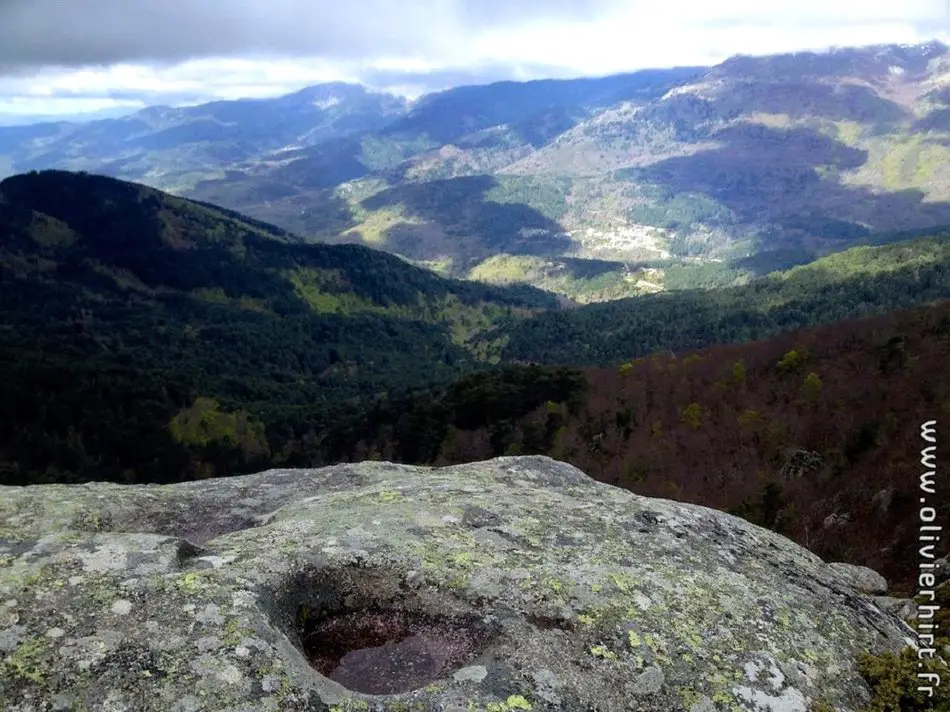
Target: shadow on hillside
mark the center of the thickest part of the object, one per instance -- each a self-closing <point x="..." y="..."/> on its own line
<point x="198" y="131"/>
<point x="941" y="95"/>
<point x="325" y="165"/>
<point x="937" y="120"/>
<point x="692" y="118"/>
<point x="13" y="139"/>
<point x="536" y="131"/>
<point x="298" y="195"/>
<point x="787" y="180"/>
<point x="456" y="216"/>
<point x="802" y="100"/>
<point x="489" y="144"/>
<point x="316" y="213"/>
<point x="588" y="269"/>
<point x="452" y="114"/>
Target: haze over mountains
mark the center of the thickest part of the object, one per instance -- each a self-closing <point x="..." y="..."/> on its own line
<point x="593" y="188"/>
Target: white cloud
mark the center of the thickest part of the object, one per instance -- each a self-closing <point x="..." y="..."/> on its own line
<point x="683" y="33"/>
<point x="196" y="51"/>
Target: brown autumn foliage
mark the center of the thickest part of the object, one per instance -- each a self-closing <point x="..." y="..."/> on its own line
<point x="815" y="433"/>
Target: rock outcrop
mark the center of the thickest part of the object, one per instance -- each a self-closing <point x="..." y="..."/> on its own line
<point x="861" y="578"/>
<point x="513" y="584"/>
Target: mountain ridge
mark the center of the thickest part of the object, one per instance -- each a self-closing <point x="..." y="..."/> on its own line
<point x="112" y="289"/>
<point x="801" y="153"/>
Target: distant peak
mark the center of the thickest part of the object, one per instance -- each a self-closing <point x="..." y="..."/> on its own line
<point x="327" y="91"/>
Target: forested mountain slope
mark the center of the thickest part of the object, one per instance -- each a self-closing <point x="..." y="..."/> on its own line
<point x="123" y="309"/>
<point x="813" y="433"/>
<point x="173" y="148"/>
<point x="857" y="282"/>
<point x="148" y="338"/>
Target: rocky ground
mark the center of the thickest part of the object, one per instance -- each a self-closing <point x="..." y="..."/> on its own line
<point x="512" y="584"/>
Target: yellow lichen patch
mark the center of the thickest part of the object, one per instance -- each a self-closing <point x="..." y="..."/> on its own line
<point x="721" y="697"/>
<point x="689" y="697"/>
<point x="350" y="705"/>
<point x="590" y="618"/>
<point x="190" y="582"/>
<point x="26" y="660"/>
<point x="514" y="702"/>
<point x="453" y="557"/>
<point x="88" y="520"/>
<point x="624" y="582"/>
<point x="601" y="651"/>
<point x="234" y="633"/>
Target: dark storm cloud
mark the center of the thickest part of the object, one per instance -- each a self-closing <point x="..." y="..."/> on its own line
<point x="80" y="32"/>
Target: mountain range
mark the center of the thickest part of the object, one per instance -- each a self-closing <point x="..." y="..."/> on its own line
<point x="591" y="188"/>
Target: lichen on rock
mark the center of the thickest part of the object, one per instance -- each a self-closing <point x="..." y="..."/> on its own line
<point x="512" y="584"/>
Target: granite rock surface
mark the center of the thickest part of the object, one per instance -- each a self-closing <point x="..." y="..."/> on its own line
<point x="512" y="584"/>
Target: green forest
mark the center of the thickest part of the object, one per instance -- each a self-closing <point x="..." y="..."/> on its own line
<point x="148" y="338"/>
<point x="786" y="432"/>
<point x="124" y="310"/>
<point x="858" y="282"/>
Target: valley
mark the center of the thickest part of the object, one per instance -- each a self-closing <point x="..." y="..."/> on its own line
<point x="147" y="336"/>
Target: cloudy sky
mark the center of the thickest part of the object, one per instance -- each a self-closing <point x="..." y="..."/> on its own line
<point x="71" y="56"/>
